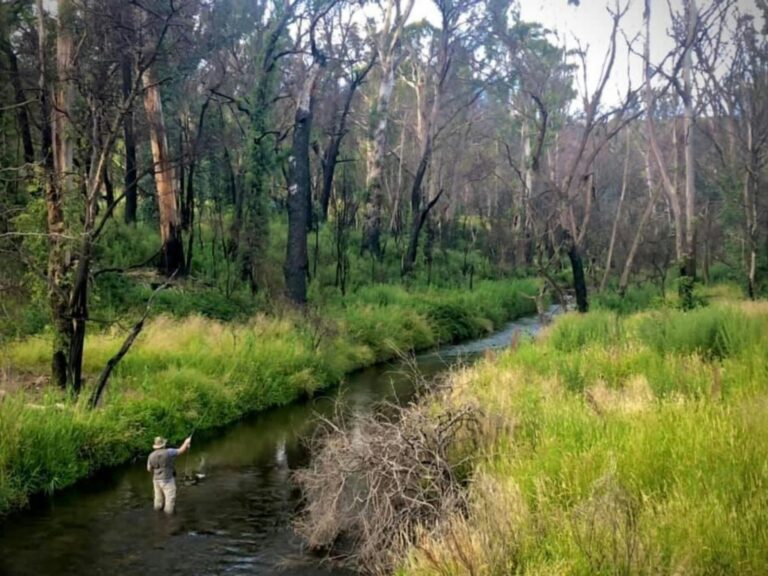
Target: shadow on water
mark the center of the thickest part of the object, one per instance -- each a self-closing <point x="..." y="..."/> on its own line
<point x="236" y="521"/>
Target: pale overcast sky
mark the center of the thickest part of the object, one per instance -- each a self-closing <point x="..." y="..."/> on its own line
<point x="591" y="24"/>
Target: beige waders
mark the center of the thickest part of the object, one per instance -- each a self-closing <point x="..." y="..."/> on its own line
<point x="165" y="495"/>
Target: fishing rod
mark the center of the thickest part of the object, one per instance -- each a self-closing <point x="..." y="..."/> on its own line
<point x="200" y="419"/>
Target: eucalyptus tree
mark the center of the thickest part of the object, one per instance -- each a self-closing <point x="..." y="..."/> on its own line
<point x="86" y="118"/>
<point x="350" y="61"/>
<point x="690" y="26"/>
<point x="270" y="44"/>
<point x="535" y="82"/>
<point x="387" y="42"/>
<point x="571" y="178"/>
<point x="296" y="267"/>
<point x="734" y="65"/>
<point x="450" y="46"/>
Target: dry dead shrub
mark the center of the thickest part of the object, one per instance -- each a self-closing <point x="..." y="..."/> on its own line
<point x="605" y="528"/>
<point x="377" y="482"/>
<point x="635" y="396"/>
<point x="487" y="541"/>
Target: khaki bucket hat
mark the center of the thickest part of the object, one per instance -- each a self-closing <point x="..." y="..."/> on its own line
<point x="160" y="442"/>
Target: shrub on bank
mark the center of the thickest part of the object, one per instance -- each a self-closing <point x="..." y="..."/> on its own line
<point x="195" y="372"/>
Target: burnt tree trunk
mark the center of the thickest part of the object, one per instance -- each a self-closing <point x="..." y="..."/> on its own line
<point x="688" y="132"/>
<point x="236" y="195"/>
<point x="296" y="261"/>
<point x="130" y="182"/>
<point x="419" y="215"/>
<point x="22" y="116"/>
<point x="330" y="158"/>
<point x="78" y="312"/>
<point x="299" y="190"/>
<point x="109" y="190"/>
<point x="750" y="200"/>
<point x="579" y="280"/>
<point x="190" y="196"/>
<point x="190" y="215"/>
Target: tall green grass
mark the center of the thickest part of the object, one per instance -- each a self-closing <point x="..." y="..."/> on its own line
<point x="636" y="299"/>
<point x="632" y="445"/>
<point x="716" y="332"/>
<point x="197" y="372"/>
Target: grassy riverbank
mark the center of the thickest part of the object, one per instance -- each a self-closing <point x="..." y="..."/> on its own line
<point x="197" y="372"/>
<point x="618" y="445"/>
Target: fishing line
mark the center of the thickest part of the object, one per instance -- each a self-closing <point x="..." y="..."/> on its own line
<point x="189" y="452"/>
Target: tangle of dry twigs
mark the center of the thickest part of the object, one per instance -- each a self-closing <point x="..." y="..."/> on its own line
<point x="378" y="480"/>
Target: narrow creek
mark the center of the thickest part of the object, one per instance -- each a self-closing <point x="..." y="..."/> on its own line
<point x="235" y="521"/>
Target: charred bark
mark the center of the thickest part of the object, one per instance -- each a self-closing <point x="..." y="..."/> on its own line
<point x="296" y="262"/>
<point x="22" y="115"/>
<point x="579" y="279"/>
<point x="751" y="214"/>
<point x="189" y="207"/>
<point x="299" y="190"/>
<point x="330" y="158"/>
<point x="688" y="129"/>
<point x="420" y="214"/>
<point x="130" y="182"/>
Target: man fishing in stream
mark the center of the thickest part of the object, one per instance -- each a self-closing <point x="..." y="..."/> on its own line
<point x="160" y="463"/>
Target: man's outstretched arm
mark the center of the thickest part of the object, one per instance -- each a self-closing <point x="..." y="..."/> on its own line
<point x="186" y="445"/>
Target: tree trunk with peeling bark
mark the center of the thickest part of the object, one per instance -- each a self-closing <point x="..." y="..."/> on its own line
<point x="690" y="162"/>
<point x="58" y="151"/>
<point x="751" y="213"/>
<point x="375" y="205"/>
<point x="167" y="198"/>
<point x="388" y="44"/>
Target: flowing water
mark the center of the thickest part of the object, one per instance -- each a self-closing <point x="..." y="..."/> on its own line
<point x="237" y="520"/>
